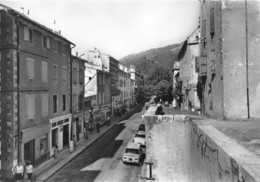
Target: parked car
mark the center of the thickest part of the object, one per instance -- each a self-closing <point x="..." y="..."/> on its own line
<point x="139" y="138"/>
<point x="133" y="154"/>
<point x="141" y="127"/>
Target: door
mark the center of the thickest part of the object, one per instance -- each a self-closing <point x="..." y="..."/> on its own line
<point x="54" y="136"/>
<point x="29" y="153"/>
<point x="66" y="135"/>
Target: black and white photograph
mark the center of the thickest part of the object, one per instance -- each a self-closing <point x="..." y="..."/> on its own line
<point x="129" y="90"/>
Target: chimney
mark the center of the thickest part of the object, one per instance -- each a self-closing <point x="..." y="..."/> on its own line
<point x="76" y="54"/>
<point x="59" y="32"/>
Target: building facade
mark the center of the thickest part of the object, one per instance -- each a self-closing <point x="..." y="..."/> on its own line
<point x="115" y="92"/>
<point x="77" y="97"/>
<point x="229" y="61"/>
<point x="188" y="74"/>
<point x="35" y="88"/>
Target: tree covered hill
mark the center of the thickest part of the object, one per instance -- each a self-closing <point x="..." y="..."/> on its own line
<point x="144" y="61"/>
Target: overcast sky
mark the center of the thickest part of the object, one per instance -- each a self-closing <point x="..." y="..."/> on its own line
<point x="116" y="27"/>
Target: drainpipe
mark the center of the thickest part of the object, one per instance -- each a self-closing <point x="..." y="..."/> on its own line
<point x="247" y="81"/>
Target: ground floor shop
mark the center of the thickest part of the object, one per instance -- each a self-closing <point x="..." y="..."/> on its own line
<point x="34" y="145"/>
<point x="77" y="129"/>
<point x="60" y="133"/>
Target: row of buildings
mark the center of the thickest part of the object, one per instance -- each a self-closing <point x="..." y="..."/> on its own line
<point x="48" y="95"/>
<point x="217" y="72"/>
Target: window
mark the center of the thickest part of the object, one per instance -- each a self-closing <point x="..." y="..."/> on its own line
<point x="30" y="69"/>
<point x="212" y="22"/>
<point x="46" y="42"/>
<point x="54" y="103"/>
<point x="64" y="74"/>
<point x="28" y="34"/>
<point x="75" y="75"/>
<point x="30" y="107"/>
<point x="204" y="32"/>
<point x="44" y="99"/>
<point x="44" y="71"/>
<point x="103" y="97"/>
<point x="54" y="73"/>
<point x="80" y="102"/>
<point x="64" y="102"/>
<point x="81" y="76"/>
<point x="54" y="45"/>
<point x="64" y="50"/>
<point x="59" y="47"/>
<point x="75" y="102"/>
<point x="43" y="145"/>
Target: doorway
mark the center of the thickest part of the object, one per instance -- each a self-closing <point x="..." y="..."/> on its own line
<point x="29" y="154"/>
<point x="66" y="135"/>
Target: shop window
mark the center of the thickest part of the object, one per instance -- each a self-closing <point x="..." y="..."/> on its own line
<point x="43" y="145"/>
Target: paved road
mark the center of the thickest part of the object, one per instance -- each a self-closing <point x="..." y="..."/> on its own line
<point x="102" y="160"/>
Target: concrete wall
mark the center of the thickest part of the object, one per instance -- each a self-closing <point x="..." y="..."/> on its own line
<point x="183" y="150"/>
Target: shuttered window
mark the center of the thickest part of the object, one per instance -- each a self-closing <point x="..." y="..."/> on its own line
<point x="64" y="74"/>
<point x="44" y="72"/>
<point x="75" y="75"/>
<point x="30" y="107"/>
<point x="54" y="73"/>
<point x="30" y="69"/>
<point x="44" y="104"/>
<point x="54" y="104"/>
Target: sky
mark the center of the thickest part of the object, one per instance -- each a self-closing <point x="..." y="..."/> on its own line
<point x="115" y="27"/>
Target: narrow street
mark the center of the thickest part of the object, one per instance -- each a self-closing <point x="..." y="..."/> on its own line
<point x="102" y="160"/>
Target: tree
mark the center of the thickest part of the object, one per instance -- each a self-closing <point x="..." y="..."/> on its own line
<point x="158" y="82"/>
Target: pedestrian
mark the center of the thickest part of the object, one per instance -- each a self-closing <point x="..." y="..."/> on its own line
<point x="19" y="172"/>
<point x="56" y="154"/>
<point x="14" y="171"/>
<point x="98" y="126"/>
<point x="108" y="120"/>
<point x="85" y="133"/>
<point x="74" y="140"/>
<point x="29" y="170"/>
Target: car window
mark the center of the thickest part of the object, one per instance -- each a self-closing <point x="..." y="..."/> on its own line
<point x="132" y="151"/>
<point x="142" y="127"/>
<point x="140" y="136"/>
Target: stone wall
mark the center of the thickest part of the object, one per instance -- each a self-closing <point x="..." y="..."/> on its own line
<point x="183" y="150"/>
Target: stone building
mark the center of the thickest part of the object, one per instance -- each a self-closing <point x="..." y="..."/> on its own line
<point x="35" y="90"/>
<point x="188" y="75"/>
<point x="77" y="96"/>
<point x="229" y="61"/>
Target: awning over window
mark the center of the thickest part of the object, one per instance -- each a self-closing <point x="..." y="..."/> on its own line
<point x="35" y="132"/>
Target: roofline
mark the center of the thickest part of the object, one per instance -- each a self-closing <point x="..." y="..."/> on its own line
<point x="18" y="14"/>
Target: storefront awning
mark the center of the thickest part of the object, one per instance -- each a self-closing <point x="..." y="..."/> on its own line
<point x="35" y="132"/>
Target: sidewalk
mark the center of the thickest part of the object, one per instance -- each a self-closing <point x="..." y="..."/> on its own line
<point x="48" y="168"/>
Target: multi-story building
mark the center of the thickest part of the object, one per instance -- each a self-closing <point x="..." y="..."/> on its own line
<point x="77" y="96"/>
<point x="229" y="61"/>
<point x="35" y="89"/>
<point x="124" y="86"/>
<point x="115" y="92"/>
<point x="188" y="75"/>
<point x="133" y="85"/>
<point x="102" y="62"/>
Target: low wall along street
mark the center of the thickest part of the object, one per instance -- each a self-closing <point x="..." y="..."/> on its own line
<point x="180" y="149"/>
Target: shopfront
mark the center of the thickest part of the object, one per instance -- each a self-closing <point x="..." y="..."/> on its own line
<point x="77" y="126"/>
<point x="35" y="144"/>
<point x="60" y="132"/>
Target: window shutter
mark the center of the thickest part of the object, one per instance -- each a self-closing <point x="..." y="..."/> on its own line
<point x="26" y="33"/>
<point x="64" y="75"/>
<point x="30" y="68"/>
<point x="44" y="71"/>
<point x="212" y="21"/>
<point x="44" y="102"/>
<point x="30" y="107"/>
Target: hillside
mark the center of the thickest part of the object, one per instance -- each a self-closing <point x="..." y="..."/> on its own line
<point x="147" y="59"/>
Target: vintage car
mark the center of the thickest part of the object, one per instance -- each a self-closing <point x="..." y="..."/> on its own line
<point x="139" y="138"/>
<point x="133" y="154"/>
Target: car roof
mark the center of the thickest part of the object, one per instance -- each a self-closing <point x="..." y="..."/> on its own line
<point x="133" y="146"/>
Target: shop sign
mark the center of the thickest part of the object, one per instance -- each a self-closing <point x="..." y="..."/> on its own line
<point x="61" y="128"/>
